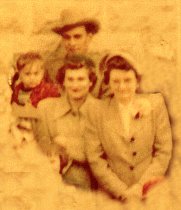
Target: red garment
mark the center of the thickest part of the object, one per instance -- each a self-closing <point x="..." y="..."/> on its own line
<point x="42" y="91"/>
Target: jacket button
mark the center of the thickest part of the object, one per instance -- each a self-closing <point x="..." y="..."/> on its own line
<point x="131" y="168"/>
<point x="134" y="153"/>
<point x="132" y="139"/>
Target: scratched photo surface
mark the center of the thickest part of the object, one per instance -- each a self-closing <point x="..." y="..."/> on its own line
<point x="150" y="31"/>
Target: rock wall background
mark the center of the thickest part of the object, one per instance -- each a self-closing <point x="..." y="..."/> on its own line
<point x="149" y="30"/>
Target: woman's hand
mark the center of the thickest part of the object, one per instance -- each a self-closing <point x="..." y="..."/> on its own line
<point x="121" y="197"/>
<point x="73" y="147"/>
<point x="60" y="151"/>
<point x="63" y="163"/>
<point x="64" y="158"/>
<point x="150" y="184"/>
<point x="141" y="192"/>
<point x="134" y="191"/>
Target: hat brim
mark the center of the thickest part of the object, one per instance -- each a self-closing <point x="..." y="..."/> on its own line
<point x="92" y="26"/>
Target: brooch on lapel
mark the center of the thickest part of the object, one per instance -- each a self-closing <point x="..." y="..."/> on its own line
<point x="140" y="108"/>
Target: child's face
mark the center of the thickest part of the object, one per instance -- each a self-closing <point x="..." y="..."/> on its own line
<point x="32" y="74"/>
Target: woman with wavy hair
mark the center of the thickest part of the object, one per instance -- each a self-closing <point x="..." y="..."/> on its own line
<point x="129" y="141"/>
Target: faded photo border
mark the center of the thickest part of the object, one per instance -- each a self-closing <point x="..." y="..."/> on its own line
<point x="149" y="30"/>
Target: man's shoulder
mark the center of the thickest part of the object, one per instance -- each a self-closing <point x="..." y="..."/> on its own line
<point x="97" y="56"/>
<point x="99" y="53"/>
<point x="54" y="59"/>
<point x="53" y="54"/>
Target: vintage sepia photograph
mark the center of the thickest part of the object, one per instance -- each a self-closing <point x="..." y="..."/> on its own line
<point x="90" y="104"/>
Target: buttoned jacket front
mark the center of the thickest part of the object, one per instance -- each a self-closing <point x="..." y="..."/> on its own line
<point x="119" y="160"/>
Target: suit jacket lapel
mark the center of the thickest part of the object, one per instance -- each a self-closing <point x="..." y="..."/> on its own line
<point x="135" y="121"/>
<point x="61" y="108"/>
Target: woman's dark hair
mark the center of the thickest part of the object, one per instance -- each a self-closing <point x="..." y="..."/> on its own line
<point x="74" y="63"/>
<point x="120" y="63"/>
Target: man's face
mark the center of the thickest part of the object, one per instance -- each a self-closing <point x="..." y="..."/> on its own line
<point x="76" y="40"/>
<point x="32" y="74"/>
<point x="123" y="84"/>
<point x="77" y="83"/>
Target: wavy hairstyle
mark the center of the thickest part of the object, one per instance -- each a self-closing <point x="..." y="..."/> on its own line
<point x="77" y="62"/>
<point x="120" y="63"/>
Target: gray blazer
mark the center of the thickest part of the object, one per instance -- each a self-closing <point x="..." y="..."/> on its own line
<point x="119" y="161"/>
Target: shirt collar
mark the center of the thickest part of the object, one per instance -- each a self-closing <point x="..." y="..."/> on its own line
<point x="63" y="107"/>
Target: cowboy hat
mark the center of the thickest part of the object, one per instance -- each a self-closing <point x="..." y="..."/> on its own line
<point x="71" y="18"/>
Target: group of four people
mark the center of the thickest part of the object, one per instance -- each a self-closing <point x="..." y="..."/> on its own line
<point x="121" y="144"/>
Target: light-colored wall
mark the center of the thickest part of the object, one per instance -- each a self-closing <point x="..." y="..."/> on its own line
<point x="143" y="26"/>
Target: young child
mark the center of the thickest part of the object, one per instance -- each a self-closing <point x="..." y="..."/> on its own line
<point x="33" y="86"/>
<point x="30" y="88"/>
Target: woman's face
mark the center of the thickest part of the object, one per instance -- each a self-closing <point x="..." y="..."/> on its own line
<point x="77" y="83"/>
<point x="123" y="84"/>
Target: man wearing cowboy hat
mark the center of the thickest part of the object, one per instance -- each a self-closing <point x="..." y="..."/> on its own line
<point x="76" y="31"/>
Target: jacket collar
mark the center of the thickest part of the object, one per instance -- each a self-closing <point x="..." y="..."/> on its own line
<point x="139" y="107"/>
<point x="63" y="106"/>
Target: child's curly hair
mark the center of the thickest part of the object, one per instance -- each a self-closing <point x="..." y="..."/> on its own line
<point x="27" y="58"/>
